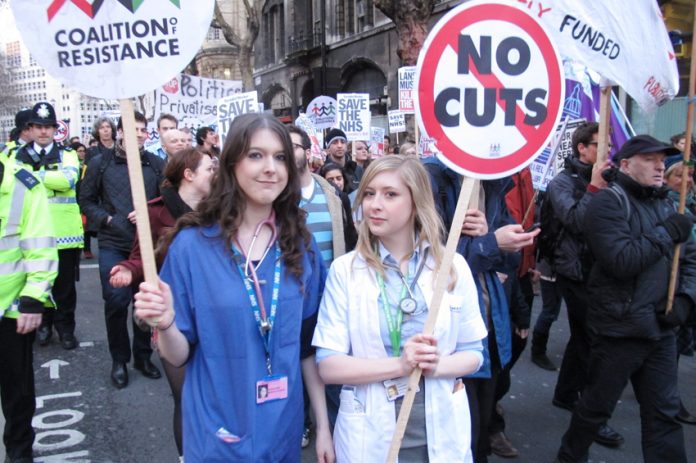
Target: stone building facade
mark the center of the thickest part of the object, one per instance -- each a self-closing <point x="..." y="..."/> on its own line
<point x="307" y="48"/>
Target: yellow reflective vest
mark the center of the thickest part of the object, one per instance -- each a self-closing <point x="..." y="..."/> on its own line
<point x="28" y="255"/>
<point x="59" y="178"/>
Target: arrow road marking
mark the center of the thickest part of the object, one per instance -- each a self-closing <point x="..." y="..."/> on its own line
<point x="54" y="367"/>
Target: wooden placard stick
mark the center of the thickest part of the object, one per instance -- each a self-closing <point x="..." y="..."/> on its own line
<point x="440" y="286"/>
<point x="417" y="134"/>
<point x="475" y="196"/>
<point x="687" y="157"/>
<point x="604" y="124"/>
<point x="135" y="173"/>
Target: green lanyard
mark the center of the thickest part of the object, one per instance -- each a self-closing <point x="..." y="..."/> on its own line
<point x="394" y="328"/>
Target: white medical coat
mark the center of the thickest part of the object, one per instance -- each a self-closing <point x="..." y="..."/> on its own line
<point x="349" y="323"/>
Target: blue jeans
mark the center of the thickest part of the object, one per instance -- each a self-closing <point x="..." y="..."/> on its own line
<point x="116" y="303"/>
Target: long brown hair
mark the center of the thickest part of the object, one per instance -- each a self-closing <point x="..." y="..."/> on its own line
<point x="226" y="203"/>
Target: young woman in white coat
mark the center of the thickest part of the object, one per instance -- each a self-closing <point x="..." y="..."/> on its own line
<point x="369" y="332"/>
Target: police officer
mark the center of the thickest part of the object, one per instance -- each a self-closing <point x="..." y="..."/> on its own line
<point x="21" y="134"/>
<point x="58" y="169"/>
<point x="28" y="266"/>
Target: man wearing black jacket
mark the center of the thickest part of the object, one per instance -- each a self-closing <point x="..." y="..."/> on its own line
<point x="105" y="197"/>
<point x="631" y="229"/>
<point x="569" y="194"/>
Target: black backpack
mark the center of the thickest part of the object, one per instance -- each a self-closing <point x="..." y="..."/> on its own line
<point x="551" y="230"/>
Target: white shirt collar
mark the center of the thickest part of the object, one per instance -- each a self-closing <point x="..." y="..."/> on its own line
<point x="38" y="148"/>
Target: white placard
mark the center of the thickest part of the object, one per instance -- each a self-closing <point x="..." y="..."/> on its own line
<point x="113" y="49"/>
<point x="354" y="115"/>
<point x="232" y="106"/>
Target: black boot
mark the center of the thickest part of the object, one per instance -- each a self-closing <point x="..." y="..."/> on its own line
<point x="539" y="357"/>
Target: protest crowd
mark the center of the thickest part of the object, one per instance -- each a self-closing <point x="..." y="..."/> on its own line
<point x="294" y="235"/>
<point x="334" y="285"/>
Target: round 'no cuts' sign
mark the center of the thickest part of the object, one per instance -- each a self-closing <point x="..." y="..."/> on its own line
<point x="490" y="88"/>
<point x="113" y="48"/>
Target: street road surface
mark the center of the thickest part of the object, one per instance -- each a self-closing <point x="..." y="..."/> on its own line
<point x="82" y="418"/>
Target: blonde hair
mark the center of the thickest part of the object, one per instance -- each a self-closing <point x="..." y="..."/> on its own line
<point x="427" y="225"/>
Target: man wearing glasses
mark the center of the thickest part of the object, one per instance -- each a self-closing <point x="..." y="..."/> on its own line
<point x="569" y="193"/>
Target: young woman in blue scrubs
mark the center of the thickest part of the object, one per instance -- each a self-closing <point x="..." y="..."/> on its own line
<point x="238" y="303"/>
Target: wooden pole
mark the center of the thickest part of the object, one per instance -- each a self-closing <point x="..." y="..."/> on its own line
<point x="440" y="286"/>
<point x="417" y="134"/>
<point x="685" y="172"/>
<point x="604" y="123"/>
<point x="135" y="173"/>
<point x="475" y="196"/>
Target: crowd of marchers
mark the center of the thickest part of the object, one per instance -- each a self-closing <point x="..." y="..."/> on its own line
<point x="329" y="263"/>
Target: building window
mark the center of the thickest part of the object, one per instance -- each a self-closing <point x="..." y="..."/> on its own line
<point x="213" y="33"/>
<point x="13" y="54"/>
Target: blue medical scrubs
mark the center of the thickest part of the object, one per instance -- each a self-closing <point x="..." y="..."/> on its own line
<point x="222" y="421"/>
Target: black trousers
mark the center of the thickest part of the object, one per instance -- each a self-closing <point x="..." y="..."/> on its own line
<point x="116" y="304"/>
<point x="64" y="292"/>
<point x="574" y="369"/>
<point x="502" y="386"/>
<point x="481" y="394"/>
<point x="651" y="366"/>
<point x="17" y="389"/>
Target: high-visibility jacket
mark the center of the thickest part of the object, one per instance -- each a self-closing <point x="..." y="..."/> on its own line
<point x="59" y="171"/>
<point x="28" y="255"/>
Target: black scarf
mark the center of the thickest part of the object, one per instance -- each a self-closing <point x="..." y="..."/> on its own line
<point x="640" y="191"/>
<point x="173" y="202"/>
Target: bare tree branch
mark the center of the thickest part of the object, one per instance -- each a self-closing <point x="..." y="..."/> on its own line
<point x="411" y="20"/>
<point x="230" y="35"/>
<point x="243" y="40"/>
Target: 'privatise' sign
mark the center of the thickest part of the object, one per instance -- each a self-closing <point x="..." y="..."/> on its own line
<point x="193" y="100"/>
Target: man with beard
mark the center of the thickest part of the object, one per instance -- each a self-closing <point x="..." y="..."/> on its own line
<point x="336" y="151"/>
<point x="330" y="221"/>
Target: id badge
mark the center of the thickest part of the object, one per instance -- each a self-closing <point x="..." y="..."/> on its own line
<point x="271" y="388"/>
<point x="396" y="388"/>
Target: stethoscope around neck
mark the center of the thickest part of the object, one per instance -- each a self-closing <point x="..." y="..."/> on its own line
<point x="407" y="305"/>
<point x="250" y="269"/>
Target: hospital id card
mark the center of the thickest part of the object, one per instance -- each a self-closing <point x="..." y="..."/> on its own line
<point x="396" y="388"/>
<point x="271" y="388"/>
